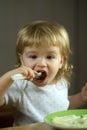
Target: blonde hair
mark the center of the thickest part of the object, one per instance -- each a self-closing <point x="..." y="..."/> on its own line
<point x="44" y="33"/>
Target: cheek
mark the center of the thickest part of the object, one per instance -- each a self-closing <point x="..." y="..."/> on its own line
<point x="55" y="67"/>
<point x="25" y="62"/>
<point x="57" y="64"/>
<point x="30" y="64"/>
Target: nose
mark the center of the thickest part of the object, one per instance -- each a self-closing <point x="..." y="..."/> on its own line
<point x="42" y="62"/>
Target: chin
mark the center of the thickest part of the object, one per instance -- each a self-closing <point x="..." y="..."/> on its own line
<point x="40" y="84"/>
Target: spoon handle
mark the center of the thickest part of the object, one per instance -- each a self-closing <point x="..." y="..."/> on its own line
<point x="20" y="76"/>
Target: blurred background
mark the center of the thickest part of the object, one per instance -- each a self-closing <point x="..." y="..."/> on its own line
<point x="14" y="14"/>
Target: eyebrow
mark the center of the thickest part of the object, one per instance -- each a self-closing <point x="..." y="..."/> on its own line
<point x="52" y="52"/>
<point x="31" y="52"/>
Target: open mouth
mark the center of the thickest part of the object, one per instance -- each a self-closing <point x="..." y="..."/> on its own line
<point x="42" y="75"/>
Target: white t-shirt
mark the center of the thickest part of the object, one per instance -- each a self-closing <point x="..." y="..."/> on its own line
<point x="32" y="103"/>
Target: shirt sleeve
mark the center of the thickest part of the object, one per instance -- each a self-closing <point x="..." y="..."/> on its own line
<point x="13" y="94"/>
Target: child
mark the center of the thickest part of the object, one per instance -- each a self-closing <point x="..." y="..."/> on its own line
<point x="44" y="48"/>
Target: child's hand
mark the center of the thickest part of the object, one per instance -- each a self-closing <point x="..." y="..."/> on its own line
<point x="84" y="93"/>
<point x="23" y="73"/>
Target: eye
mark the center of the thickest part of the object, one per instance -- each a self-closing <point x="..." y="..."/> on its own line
<point x="33" y="56"/>
<point x="50" y="57"/>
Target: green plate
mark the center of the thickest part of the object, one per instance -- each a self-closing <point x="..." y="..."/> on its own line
<point x="78" y="112"/>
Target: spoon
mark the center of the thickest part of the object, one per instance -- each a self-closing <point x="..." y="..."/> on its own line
<point x="20" y="76"/>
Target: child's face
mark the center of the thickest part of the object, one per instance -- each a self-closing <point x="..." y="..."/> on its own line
<point x="48" y="60"/>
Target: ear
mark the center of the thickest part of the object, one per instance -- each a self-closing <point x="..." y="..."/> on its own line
<point x="21" y="58"/>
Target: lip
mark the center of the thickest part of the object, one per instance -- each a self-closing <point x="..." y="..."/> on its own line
<point x="40" y="70"/>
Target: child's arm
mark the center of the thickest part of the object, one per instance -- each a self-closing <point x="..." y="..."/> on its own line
<point x="79" y="100"/>
<point x="6" y="80"/>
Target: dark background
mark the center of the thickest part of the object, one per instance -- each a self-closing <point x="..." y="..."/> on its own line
<point x="71" y="13"/>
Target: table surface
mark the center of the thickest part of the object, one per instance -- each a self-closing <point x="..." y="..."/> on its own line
<point x="35" y="126"/>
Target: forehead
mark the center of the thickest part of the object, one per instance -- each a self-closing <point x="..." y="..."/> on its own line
<point x="44" y="49"/>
